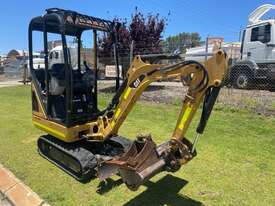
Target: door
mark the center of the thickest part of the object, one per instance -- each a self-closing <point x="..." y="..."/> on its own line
<point x="256" y="45"/>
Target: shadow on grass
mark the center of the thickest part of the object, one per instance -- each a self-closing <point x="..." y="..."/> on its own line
<point x="108" y="185"/>
<point x="164" y="192"/>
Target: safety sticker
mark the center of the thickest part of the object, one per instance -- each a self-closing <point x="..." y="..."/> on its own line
<point x="128" y="91"/>
<point x="185" y="117"/>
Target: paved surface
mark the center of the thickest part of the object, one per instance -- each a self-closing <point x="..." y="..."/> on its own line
<point x="10" y="83"/>
<point x="13" y="192"/>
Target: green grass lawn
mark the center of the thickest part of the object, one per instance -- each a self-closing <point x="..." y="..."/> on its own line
<point x="235" y="163"/>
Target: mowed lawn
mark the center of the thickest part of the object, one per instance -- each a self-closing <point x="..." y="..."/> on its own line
<point x="235" y="163"/>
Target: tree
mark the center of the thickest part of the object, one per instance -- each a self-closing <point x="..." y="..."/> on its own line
<point x="181" y="42"/>
<point x="145" y="32"/>
<point x="105" y="41"/>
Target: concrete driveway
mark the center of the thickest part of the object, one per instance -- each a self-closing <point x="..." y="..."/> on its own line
<point x="9" y="83"/>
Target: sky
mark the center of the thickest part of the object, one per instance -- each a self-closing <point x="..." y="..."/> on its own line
<point x="212" y="17"/>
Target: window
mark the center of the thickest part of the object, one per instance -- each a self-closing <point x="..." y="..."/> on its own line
<point x="243" y="38"/>
<point x="56" y="55"/>
<point x="261" y="33"/>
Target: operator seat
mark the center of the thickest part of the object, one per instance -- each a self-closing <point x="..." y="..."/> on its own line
<point x="82" y="99"/>
<point x="57" y="79"/>
<point x="56" y="91"/>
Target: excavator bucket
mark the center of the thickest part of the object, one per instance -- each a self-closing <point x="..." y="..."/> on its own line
<point x="143" y="160"/>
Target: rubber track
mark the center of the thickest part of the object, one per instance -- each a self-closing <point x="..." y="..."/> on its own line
<point x="81" y="153"/>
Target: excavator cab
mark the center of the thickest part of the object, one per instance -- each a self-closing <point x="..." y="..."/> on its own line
<point x="64" y="92"/>
<point x="68" y="87"/>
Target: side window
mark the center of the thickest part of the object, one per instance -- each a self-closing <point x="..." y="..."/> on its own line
<point x="243" y="38"/>
<point x="261" y="33"/>
<point x="56" y="55"/>
<point x="51" y="56"/>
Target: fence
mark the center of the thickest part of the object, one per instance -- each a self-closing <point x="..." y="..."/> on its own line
<point x="250" y="89"/>
<point x="245" y="88"/>
<point x="14" y="70"/>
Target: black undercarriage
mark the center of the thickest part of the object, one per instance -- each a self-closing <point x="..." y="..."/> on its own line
<point x="80" y="159"/>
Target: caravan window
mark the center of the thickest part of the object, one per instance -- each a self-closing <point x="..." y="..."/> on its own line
<point x="261" y="33"/>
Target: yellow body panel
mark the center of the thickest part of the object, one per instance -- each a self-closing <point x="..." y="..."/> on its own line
<point x="49" y="130"/>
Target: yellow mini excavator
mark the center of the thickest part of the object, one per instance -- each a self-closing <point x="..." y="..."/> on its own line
<point x="83" y="140"/>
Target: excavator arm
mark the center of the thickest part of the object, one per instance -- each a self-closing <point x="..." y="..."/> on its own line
<point x="204" y="79"/>
<point x="144" y="158"/>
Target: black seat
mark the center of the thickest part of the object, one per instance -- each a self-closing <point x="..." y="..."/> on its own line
<point x="58" y="71"/>
<point x="79" y="86"/>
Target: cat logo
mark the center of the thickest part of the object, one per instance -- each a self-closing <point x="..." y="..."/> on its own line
<point x="136" y="83"/>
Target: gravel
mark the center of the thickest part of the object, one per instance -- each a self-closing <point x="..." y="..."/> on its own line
<point x="258" y="101"/>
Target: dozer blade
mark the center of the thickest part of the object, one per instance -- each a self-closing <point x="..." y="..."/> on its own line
<point x="144" y="160"/>
<point x="80" y="159"/>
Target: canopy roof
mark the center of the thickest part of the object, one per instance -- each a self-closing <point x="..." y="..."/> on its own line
<point x="69" y="22"/>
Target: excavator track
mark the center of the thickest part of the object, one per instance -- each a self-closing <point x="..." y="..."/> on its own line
<point x="80" y="159"/>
